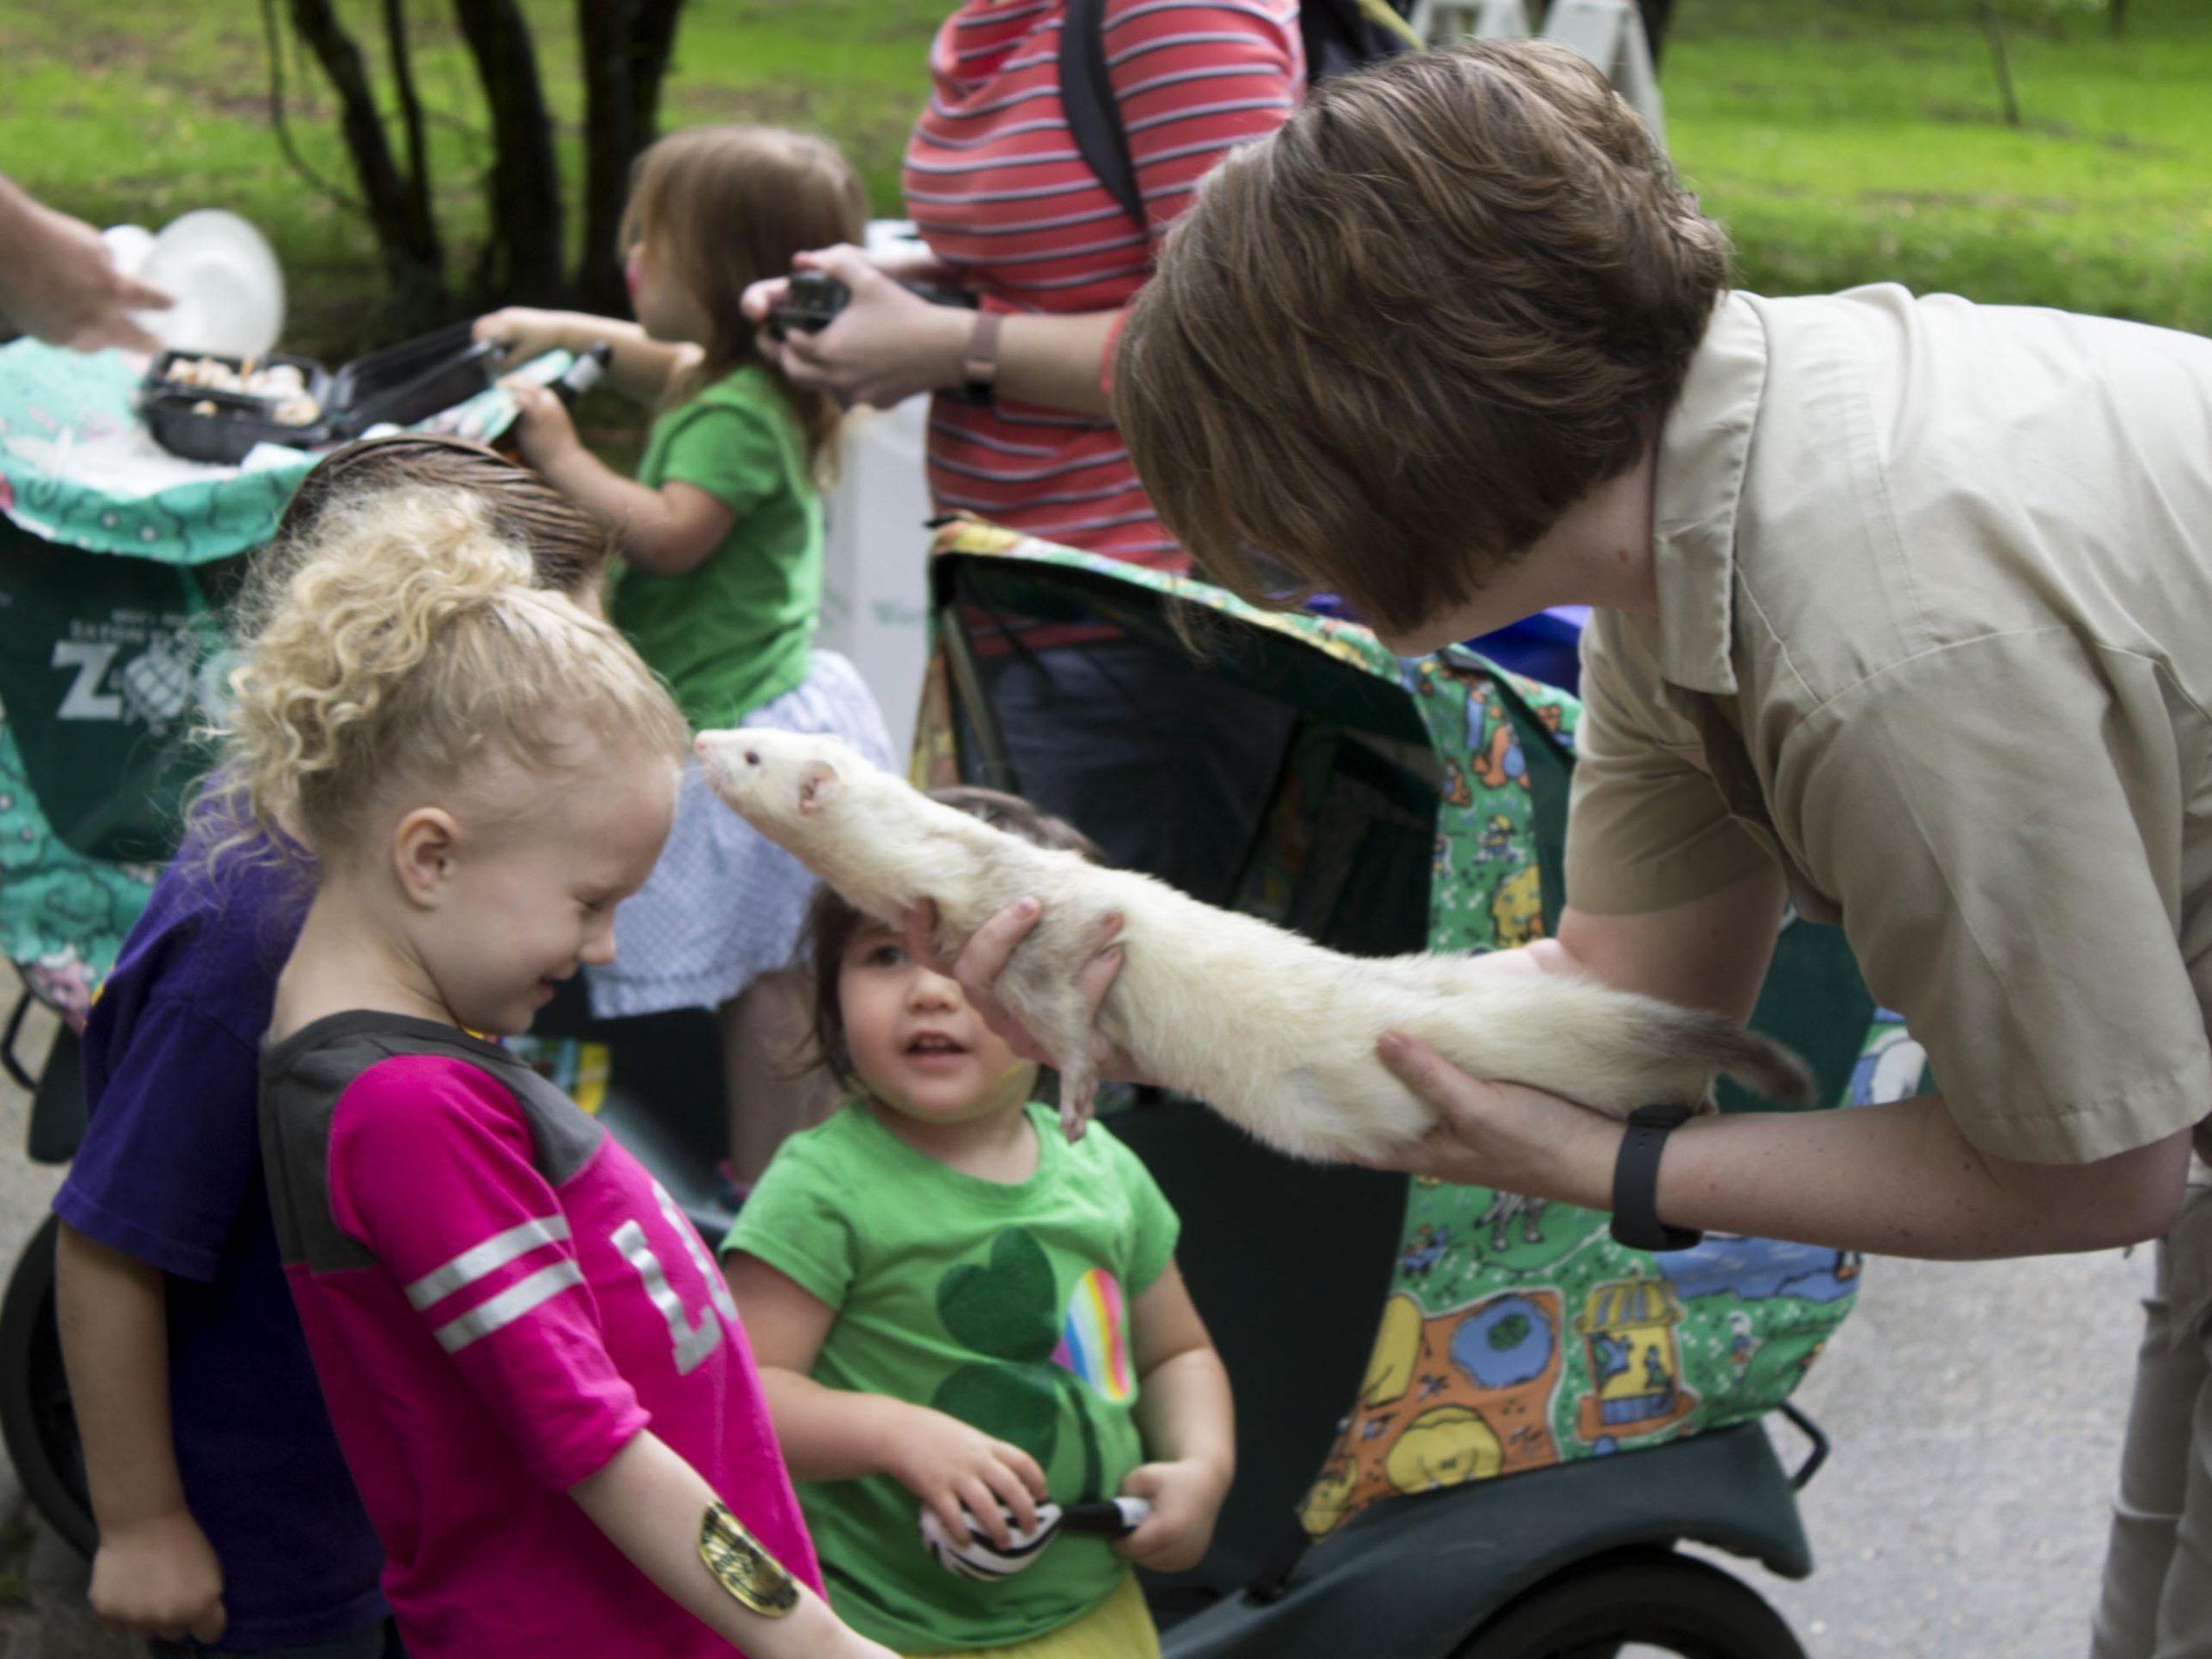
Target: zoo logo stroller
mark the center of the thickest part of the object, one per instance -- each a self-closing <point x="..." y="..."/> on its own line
<point x="1471" y="1426"/>
<point x="113" y="654"/>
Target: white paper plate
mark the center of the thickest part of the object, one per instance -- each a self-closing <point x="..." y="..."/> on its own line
<point x="127" y="246"/>
<point x="228" y="288"/>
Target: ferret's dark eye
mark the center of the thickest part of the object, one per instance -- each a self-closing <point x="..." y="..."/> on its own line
<point x="753" y="757"/>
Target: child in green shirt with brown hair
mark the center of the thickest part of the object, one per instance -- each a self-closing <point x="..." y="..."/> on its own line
<point x="954" y="1309"/>
<point x="720" y="537"/>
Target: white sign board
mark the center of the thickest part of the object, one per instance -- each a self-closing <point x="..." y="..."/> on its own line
<point x="876" y="560"/>
<point x="877" y="544"/>
<point x="1610" y="33"/>
<point x="1440" y="22"/>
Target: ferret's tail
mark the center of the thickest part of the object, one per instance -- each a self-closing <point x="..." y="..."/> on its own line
<point x="1760" y="1063"/>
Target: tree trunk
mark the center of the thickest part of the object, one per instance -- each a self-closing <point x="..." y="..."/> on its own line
<point x="2116" y="16"/>
<point x="611" y="140"/>
<point x="522" y="252"/>
<point x="652" y="42"/>
<point x="625" y="46"/>
<point x="1657" y="13"/>
<point x="401" y="52"/>
<point x="1994" y="27"/>
<point x="406" y="234"/>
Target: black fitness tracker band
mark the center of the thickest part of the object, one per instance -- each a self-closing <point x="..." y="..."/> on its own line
<point x="1635" y="1183"/>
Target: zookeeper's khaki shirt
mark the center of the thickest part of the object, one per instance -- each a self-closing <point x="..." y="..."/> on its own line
<point x="1935" y="632"/>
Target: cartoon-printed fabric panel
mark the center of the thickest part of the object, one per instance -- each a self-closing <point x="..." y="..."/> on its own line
<point x="1514" y="1333"/>
<point x="1485" y="892"/>
<point x="1347" y="642"/>
<point x="1517" y="1332"/>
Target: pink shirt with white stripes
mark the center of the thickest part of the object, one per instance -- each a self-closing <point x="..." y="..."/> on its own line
<point x="999" y="191"/>
<point x="497" y="1298"/>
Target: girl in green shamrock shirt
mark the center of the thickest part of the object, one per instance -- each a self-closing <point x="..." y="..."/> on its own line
<point x="951" y="1305"/>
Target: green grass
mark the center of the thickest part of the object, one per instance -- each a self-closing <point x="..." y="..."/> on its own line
<point x="1841" y="141"/>
<point x="1845" y="144"/>
<point x="134" y="113"/>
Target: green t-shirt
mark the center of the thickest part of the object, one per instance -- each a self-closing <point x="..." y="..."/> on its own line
<point x="1004" y="1304"/>
<point x="732" y="632"/>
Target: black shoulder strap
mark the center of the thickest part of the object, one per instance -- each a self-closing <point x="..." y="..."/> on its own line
<point x="1342" y="35"/>
<point x="1087" y="94"/>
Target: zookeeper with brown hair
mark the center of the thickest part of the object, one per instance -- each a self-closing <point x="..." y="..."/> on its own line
<point x="1900" y="617"/>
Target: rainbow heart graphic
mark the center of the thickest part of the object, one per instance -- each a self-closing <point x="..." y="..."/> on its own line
<point x="1094" y="1342"/>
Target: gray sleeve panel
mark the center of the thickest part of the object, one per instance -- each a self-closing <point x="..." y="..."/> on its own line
<point x="297" y="1106"/>
<point x="298" y="1102"/>
<point x="564" y="1134"/>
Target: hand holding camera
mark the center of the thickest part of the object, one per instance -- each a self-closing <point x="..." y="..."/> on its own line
<point x="839" y="324"/>
<point x="812" y="300"/>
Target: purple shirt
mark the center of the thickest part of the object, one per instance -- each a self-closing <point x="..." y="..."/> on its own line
<point x="171" y="1172"/>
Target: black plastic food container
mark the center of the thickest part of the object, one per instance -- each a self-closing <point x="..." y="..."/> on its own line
<point x="400" y="385"/>
<point x="238" y="420"/>
<point x="403" y="384"/>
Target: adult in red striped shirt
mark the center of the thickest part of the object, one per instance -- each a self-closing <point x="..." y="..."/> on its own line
<point x="1007" y="208"/>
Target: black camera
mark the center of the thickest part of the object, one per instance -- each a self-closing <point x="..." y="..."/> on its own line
<point x="811" y="302"/>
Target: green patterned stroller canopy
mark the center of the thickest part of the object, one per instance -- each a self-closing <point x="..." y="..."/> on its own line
<point x="1510" y="1333"/>
<point x="115" y="562"/>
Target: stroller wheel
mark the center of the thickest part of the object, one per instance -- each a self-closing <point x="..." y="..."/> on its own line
<point x="1652" y="1599"/>
<point x="36" y="1416"/>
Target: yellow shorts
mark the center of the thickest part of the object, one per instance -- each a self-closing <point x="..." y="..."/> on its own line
<point x="1120" y="1628"/>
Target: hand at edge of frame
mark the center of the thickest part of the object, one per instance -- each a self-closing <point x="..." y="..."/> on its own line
<point x="61" y="286"/>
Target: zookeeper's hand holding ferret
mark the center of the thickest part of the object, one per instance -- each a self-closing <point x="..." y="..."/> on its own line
<point x="1501" y="1134"/>
<point x="984" y="957"/>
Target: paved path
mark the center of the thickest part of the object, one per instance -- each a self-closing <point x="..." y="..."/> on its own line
<point x="45" y="1618"/>
<point x="1975" y="1410"/>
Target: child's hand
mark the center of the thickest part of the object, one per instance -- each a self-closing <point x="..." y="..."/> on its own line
<point x="542" y="429"/>
<point x="521" y="332"/>
<point x="1186" y="1499"/>
<point x="962" y="1472"/>
<point x="159" y="1578"/>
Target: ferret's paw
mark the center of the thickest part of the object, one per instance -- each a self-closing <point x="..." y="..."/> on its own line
<point x="1079" y="1090"/>
<point x="1074" y="1119"/>
<point x="1078" y="1071"/>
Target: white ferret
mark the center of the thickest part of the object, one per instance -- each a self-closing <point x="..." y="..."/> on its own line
<point x="1274" y="1032"/>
